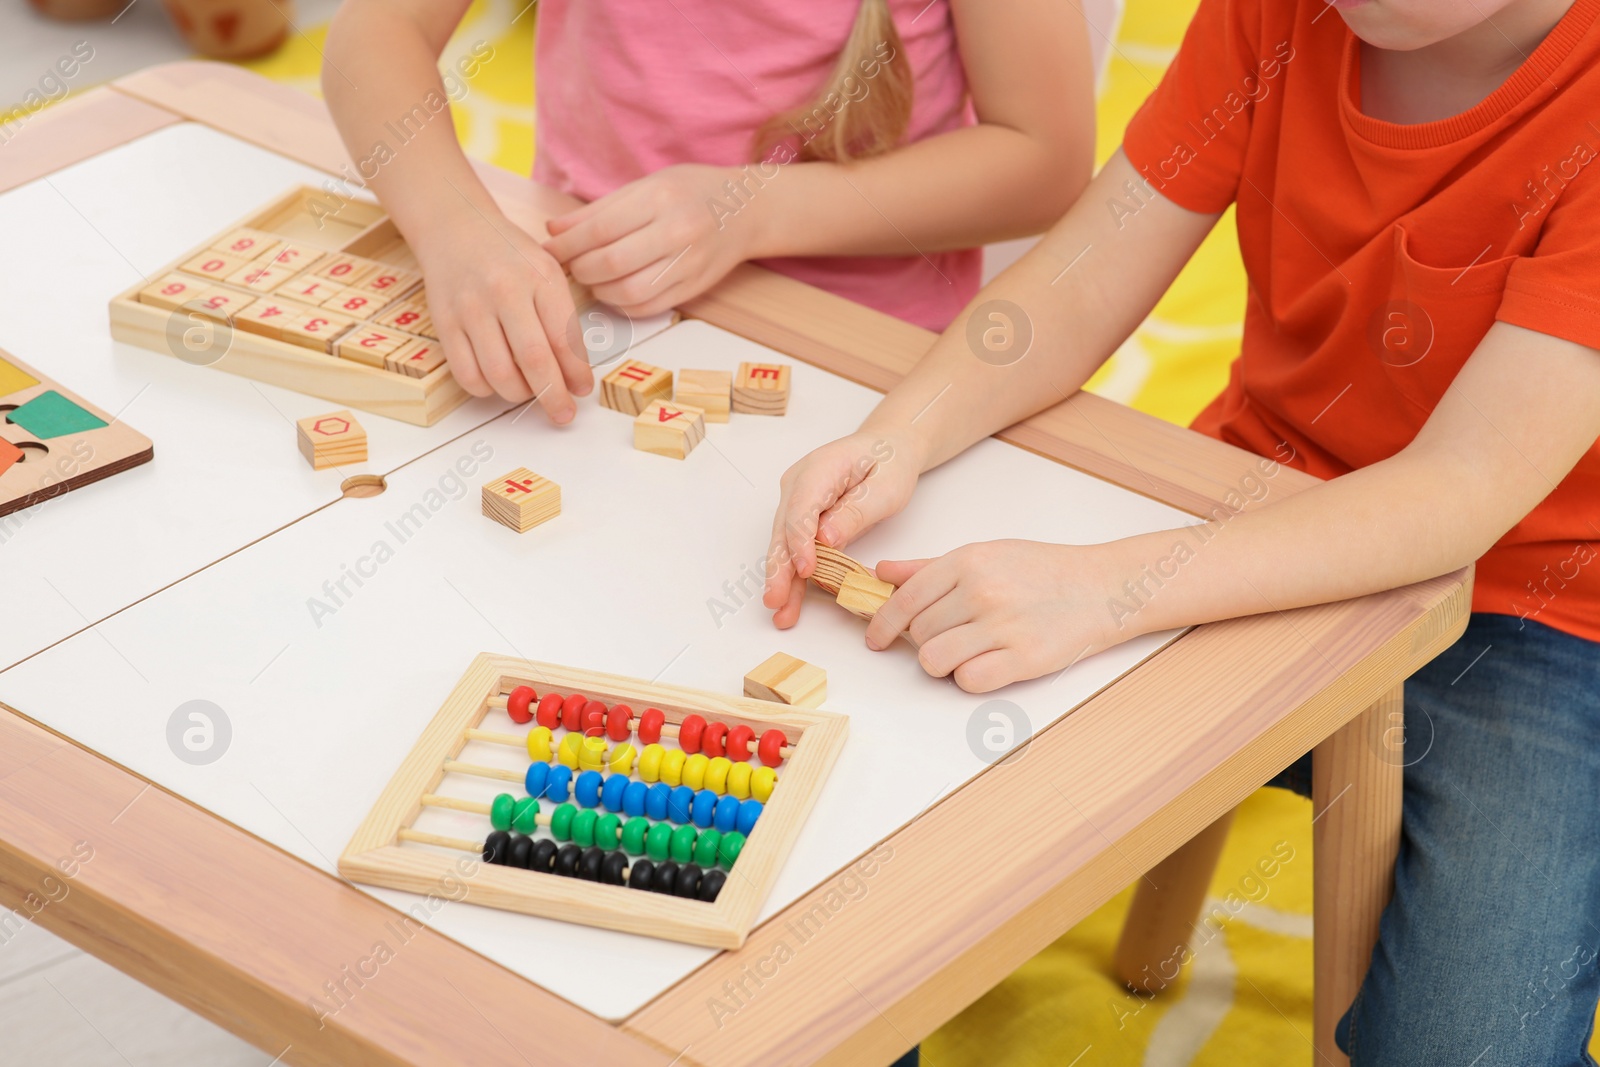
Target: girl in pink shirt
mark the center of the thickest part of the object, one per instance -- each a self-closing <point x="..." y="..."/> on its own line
<point x="869" y="147"/>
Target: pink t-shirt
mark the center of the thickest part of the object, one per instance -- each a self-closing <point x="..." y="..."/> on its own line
<point x="626" y="87"/>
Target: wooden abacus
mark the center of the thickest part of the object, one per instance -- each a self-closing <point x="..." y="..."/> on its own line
<point x="699" y="896"/>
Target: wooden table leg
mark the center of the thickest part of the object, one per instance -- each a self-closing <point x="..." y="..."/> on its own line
<point x="1155" y="936"/>
<point x="1355" y="796"/>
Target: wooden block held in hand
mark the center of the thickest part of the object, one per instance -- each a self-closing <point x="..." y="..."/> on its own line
<point x="761" y="389"/>
<point x="631" y="387"/>
<point x="332" y="439"/>
<point x="789" y="681"/>
<point x="709" y="390"/>
<point x="669" y="429"/>
<point x="862" y="594"/>
<point x="521" y="500"/>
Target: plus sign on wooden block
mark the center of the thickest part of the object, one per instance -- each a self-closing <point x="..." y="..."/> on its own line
<point x="631" y="387"/>
<point x="761" y="389"/>
<point x="669" y="429"/>
<point x="789" y="681"/>
<point x="521" y="500"/>
<point x="709" y="390"/>
<point x="331" y="440"/>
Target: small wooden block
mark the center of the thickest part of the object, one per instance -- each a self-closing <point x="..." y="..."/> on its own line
<point x="355" y="303"/>
<point x="788" y="681"/>
<point x="246" y="243"/>
<point x="761" y="389"/>
<point x="260" y="277"/>
<point x="417" y="358"/>
<point x="709" y="390"/>
<point x="345" y="271"/>
<point x="390" y="282"/>
<point x="521" y="500"/>
<point x="861" y="594"/>
<point x="331" y="440"/>
<point x="219" y="302"/>
<point x="410" y="315"/>
<point x="631" y="387"/>
<point x="213" y="265"/>
<point x="267" y="316"/>
<point x="317" y="329"/>
<point x="669" y="429"/>
<point x="292" y="257"/>
<point x="365" y="344"/>
<point x="308" y="289"/>
<point x="172" y="292"/>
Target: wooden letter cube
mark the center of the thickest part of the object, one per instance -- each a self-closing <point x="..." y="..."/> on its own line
<point x="788" y="681"/>
<point x="521" y="500"/>
<point x="709" y="390"/>
<point x="332" y="439"/>
<point x="631" y="387"/>
<point x="761" y="389"/>
<point x="669" y="429"/>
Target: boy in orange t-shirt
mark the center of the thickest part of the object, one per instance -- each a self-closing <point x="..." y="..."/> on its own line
<point x="1420" y="223"/>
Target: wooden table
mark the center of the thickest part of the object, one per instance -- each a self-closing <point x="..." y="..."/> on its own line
<point x="245" y="933"/>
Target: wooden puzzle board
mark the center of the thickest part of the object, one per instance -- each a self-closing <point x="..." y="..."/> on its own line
<point x="229" y="473"/>
<point x="324" y="707"/>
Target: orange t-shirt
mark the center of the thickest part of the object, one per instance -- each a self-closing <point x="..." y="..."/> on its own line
<point x="1379" y="254"/>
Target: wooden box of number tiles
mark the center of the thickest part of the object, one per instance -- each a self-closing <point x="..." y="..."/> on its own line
<point x="322" y="296"/>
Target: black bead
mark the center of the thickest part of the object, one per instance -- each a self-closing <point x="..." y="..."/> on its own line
<point x="495" y="846"/>
<point x="712" y="883"/>
<point x="544" y="851"/>
<point x="666" y="877"/>
<point x="521" y="851"/>
<point x="567" y="857"/>
<point x="688" y="883"/>
<point x="641" y="875"/>
<point x="589" y="865"/>
<point x="611" y="871"/>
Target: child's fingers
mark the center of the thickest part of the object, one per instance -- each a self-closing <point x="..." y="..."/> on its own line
<point x="950" y="651"/>
<point x="627" y="255"/>
<point x="899" y="571"/>
<point x="495" y="360"/>
<point x="789" y="612"/>
<point x="559" y="316"/>
<point x="610" y="221"/>
<point x="919" y="592"/>
<point x="463" y="362"/>
<point x="946" y="613"/>
<point x="531" y="350"/>
<point x="646" y="286"/>
<point x="990" y="670"/>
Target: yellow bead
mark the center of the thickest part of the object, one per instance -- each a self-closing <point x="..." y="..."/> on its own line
<point x="717" y="774"/>
<point x="672" y="767"/>
<point x="622" y="758"/>
<point x="694" y="770"/>
<point x="739" y="781"/>
<point x="592" y="753"/>
<point x="650" y="764"/>
<point x="539" y="744"/>
<point x="762" y="781"/>
<point x="568" y="752"/>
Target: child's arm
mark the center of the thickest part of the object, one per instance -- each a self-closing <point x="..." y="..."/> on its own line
<point x="500" y="301"/>
<point x="1012" y="174"/>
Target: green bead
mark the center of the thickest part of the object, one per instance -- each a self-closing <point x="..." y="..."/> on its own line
<point x="583" y="827"/>
<point x="683" y="844"/>
<point x="633" y="835"/>
<point x="500" y="811"/>
<point x="705" y="849"/>
<point x="728" y="849"/>
<point x="525" y="816"/>
<point x="561" y="821"/>
<point x="658" y="842"/>
<point x="607" y="830"/>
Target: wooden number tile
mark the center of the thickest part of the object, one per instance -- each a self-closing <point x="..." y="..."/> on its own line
<point x="213" y="265"/>
<point x="417" y="358"/>
<point x="368" y="345"/>
<point x="355" y="303"/>
<point x="390" y="282"/>
<point x="345" y="271"/>
<point x="292" y="257"/>
<point x="862" y="594"/>
<point x="246" y="243"/>
<point x="788" y="681"/>
<point x="260" y="277"/>
<point x="521" y="500"/>
<point x="268" y="315"/>
<point x="631" y="387"/>
<point x="410" y="314"/>
<point x="220" y="302"/>
<point x="308" y="289"/>
<point x="172" y="291"/>
<point x="317" y="329"/>
<point x="709" y="390"/>
<point x="761" y="389"/>
<point x="669" y="429"/>
<point x="331" y="440"/>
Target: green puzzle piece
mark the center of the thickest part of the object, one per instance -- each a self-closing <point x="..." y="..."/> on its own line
<point x="52" y="415"/>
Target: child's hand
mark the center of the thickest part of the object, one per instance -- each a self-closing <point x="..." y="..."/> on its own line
<point x="833" y="495"/>
<point x="655" y="242"/>
<point x="504" y="313"/>
<point x="998" y="612"/>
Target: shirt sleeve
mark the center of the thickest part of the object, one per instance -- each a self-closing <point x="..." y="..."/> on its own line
<point x="1189" y="136"/>
<point x="1556" y="289"/>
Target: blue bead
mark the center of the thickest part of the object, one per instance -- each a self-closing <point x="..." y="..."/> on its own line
<point x="534" y="781"/>
<point x="611" y="792"/>
<point x="560" y="776"/>
<point x="749" y="812"/>
<point x="682" y="802"/>
<point x="588" y="788"/>
<point x="727" y="816"/>
<point x="655" y="802"/>
<point x="633" y="799"/>
<point x="705" y="805"/>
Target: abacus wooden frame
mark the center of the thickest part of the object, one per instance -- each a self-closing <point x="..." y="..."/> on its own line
<point x="375" y="855"/>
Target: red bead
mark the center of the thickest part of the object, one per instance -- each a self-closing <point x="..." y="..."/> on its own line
<point x="549" y="713"/>
<point x="771" y="747"/>
<point x="572" y="711"/>
<point x="739" y="739"/>
<point x="689" y="731"/>
<point x="650" y="724"/>
<point x="517" y="704"/>
<point x="594" y="718"/>
<point x="711" y="742"/>
<point x="619" y="722"/>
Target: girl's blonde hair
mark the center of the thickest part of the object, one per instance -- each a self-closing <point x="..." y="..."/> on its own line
<point x="863" y="108"/>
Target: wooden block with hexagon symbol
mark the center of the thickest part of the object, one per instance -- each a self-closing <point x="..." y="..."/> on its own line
<point x="331" y="440"/>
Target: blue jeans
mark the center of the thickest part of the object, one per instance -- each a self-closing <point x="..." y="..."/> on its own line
<point x="1487" y="955"/>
